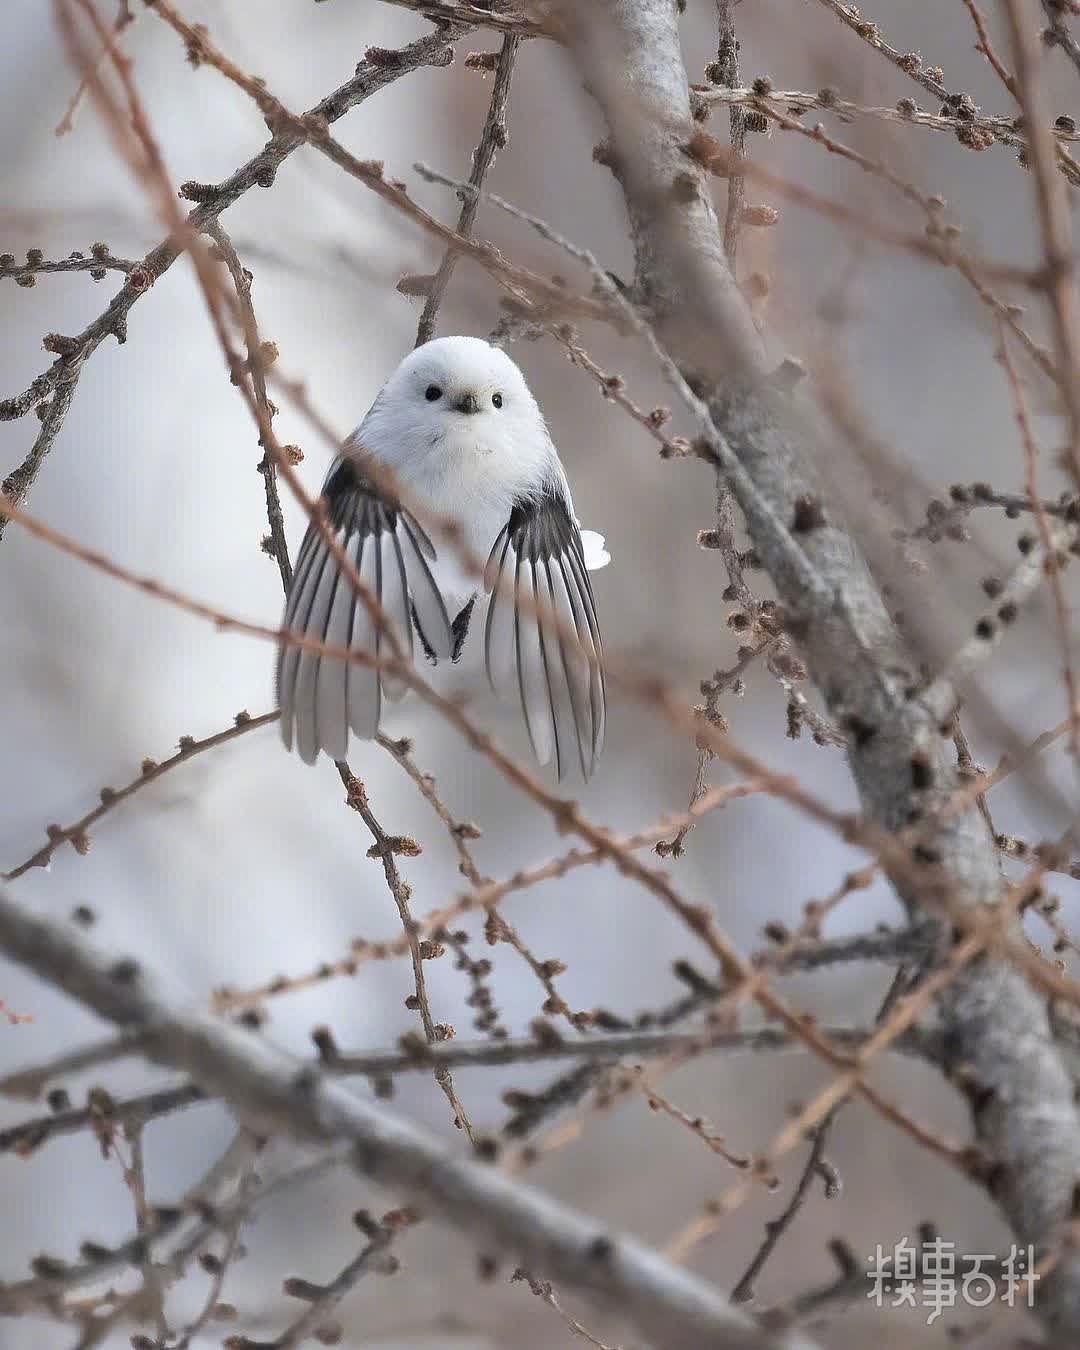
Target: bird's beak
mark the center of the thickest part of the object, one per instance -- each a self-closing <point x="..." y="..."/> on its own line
<point x="467" y="403"/>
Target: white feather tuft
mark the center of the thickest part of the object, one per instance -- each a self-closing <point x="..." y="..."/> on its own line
<point x="596" y="554"/>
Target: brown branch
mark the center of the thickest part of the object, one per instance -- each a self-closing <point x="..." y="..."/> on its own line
<point x="18" y="483"/>
<point x="714" y="687"/>
<point x="78" y="833"/>
<point x="911" y="63"/>
<point x="964" y="498"/>
<point x="274" y="457"/>
<point x="1052" y="563"/>
<point x="985" y="46"/>
<point x="98" y="264"/>
<point x="375" y="72"/>
<point x="483" y="897"/>
<point x="784" y="110"/>
<point x="257" y="361"/>
<point x="991" y="626"/>
<point x="502" y="18"/>
<point x="497" y="928"/>
<point x="384" y="849"/>
<point x="231" y="1228"/>
<point x="200" y="1211"/>
<point x="818" y="1110"/>
<point x="717" y="943"/>
<point x="1057" y="33"/>
<point x="420" y="1056"/>
<point x="542" y="1290"/>
<point x="726" y="72"/>
<point x="266" y="1085"/>
<point x="324" y="1298"/>
<point x="313" y="128"/>
<point x="613" y="388"/>
<point x="796" y="102"/>
<point x="492" y="138"/>
<point x="743" y="1292"/>
<point x="1054" y="220"/>
<point x="852" y="649"/>
<point x="125" y="17"/>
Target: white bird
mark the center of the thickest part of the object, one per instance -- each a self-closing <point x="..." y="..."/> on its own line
<point x="463" y="436"/>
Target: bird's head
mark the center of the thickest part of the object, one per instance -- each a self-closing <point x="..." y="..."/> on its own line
<point x="462" y="389"/>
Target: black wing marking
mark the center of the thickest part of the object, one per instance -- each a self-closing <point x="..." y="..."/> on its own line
<point x="542" y="639"/>
<point x="460" y="628"/>
<point x="321" y="697"/>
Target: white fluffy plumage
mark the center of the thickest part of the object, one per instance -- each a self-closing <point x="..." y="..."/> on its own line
<point x="460" y="430"/>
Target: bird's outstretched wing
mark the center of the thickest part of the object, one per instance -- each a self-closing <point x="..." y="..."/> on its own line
<point x="542" y="640"/>
<point x="322" y="697"/>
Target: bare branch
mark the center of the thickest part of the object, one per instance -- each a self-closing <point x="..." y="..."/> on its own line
<point x="1054" y="218"/>
<point x="30" y="1135"/>
<point x="60" y="379"/>
<point x="492" y="138"/>
<point x="1024" y="1113"/>
<point x="78" y="833"/>
<point x="1057" y="32"/>
<point x="275" y="1092"/>
<point x="502" y="18"/>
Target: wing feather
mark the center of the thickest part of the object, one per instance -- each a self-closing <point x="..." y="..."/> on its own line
<point x="575" y="666"/>
<point x="582" y="588"/>
<point x="531" y="667"/>
<point x="500" y="643"/>
<point x="395" y="601"/>
<point x="315" y="625"/>
<point x="542" y="638"/>
<point x="322" y="697"/>
<point x="299" y="602"/>
<point x="365" y="685"/>
<point x="330" y="681"/>
<point x="431" y="615"/>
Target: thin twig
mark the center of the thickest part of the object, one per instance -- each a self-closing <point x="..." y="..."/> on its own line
<point x="1054" y="219"/>
<point x="1052" y="562"/>
<point x="985" y="46"/>
<point x="493" y="138"/>
<point x="384" y="849"/>
<point x="1057" y="32"/>
<point x="373" y="73"/>
<point x="542" y="1290"/>
<point x="124" y="18"/>
<point x="775" y="1229"/>
<point x="501" y="18"/>
<point x="287" y="1097"/>
<point x="323" y="1299"/>
<point x="727" y="74"/>
<point x="231" y="1228"/>
<point x="99" y="261"/>
<point x="78" y="833"/>
<point x="277" y="547"/>
<point x="418" y="1056"/>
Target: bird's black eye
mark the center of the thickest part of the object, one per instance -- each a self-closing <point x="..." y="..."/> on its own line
<point x="497" y="400"/>
<point x="432" y="392"/>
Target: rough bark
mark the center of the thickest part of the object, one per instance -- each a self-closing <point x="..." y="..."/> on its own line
<point x="274" y="1093"/>
<point x="996" y="1026"/>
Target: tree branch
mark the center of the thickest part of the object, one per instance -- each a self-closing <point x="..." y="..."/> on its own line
<point x="492" y="138"/>
<point x="377" y="70"/>
<point x="419" y="1055"/>
<point x="995" y="1025"/>
<point x="276" y="1093"/>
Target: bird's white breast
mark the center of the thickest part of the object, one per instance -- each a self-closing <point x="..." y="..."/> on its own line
<point x="476" y="484"/>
